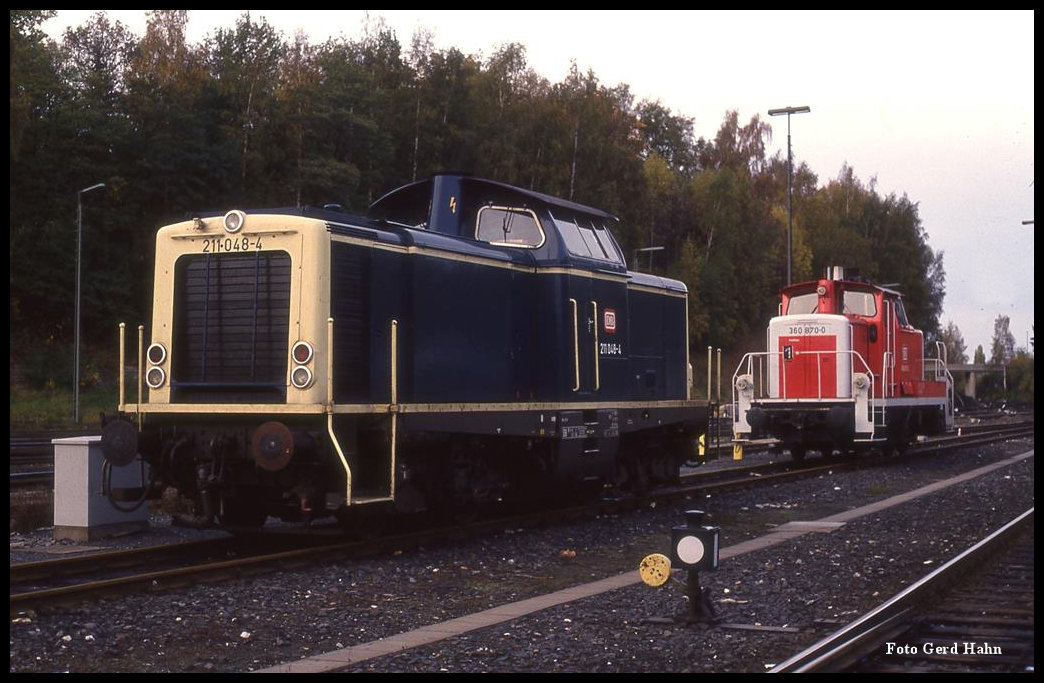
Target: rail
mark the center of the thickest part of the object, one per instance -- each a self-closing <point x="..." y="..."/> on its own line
<point x="838" y="650"/>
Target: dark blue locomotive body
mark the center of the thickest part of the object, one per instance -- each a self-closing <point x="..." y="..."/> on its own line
<point x="466" y="341"/>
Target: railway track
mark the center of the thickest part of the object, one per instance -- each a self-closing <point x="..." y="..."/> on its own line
<point x="972" y="615"/>
<point x="45" y="584"/>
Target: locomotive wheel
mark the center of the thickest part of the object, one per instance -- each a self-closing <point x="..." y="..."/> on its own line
<point x="473" y="481"/>
<point x="631" y="475"/>
<point x="898" y="437"/>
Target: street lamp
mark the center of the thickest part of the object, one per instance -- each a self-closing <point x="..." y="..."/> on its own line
<point x="788" y="111"/>
<point x="76" y="323"/>
<point x="644" y="249"/>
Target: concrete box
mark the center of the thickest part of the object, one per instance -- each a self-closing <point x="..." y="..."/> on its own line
<point x="81" y="511"/>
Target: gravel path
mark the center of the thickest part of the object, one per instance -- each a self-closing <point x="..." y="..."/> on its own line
<point x="812" y="584"/>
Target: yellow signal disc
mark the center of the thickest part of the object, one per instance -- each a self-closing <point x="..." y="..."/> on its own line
<point x="655" y="569"/>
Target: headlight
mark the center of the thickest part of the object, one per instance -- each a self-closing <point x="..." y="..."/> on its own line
<point x="233" y="221"/>
<point x="155" y="377"/>
<point x="156" y="354"/>
<point x="302" y="352"/>
<point x="301" y="377"/>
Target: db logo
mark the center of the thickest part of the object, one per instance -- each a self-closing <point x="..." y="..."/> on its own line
<point x="609" y="320"/>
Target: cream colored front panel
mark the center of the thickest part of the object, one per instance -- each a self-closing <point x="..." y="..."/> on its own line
<point x="305" y="240"/>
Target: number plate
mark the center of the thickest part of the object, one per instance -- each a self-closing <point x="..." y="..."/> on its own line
<point x="220" y="245"/>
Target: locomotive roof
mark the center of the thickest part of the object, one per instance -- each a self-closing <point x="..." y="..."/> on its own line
<point x="856" y="280"/>
<point x="423" y="188"/>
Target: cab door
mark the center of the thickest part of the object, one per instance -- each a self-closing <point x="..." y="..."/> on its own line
<point x="891" y="345"/>
<point x="582" y="317"/>
<point x="596" y="307"/>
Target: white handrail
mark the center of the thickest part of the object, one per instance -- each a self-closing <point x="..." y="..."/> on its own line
<point x="859" y="364"/>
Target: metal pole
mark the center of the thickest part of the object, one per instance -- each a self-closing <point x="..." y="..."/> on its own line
<point x="76" y="315"/>
<point x="790" y="193"/>
<point x="790" y="199"/>
<point x="718" y="395"/>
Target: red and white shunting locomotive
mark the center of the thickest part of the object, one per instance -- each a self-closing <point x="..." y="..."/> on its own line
<point x="843" y="370"/>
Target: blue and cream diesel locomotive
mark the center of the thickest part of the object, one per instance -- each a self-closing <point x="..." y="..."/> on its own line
<point x="465" y="342"/>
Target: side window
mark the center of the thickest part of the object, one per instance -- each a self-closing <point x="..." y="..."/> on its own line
<point x="574" y="242"/>
<point x="608" y="245"/>
<point x="583" y="237"/>
<point x="593" y="246"/>
<point x="860" y="303"/>
<point x="508" y="226"/>
<point x="900" y="313"/>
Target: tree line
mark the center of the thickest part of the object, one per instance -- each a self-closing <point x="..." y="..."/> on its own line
<point x="250" y="118"/>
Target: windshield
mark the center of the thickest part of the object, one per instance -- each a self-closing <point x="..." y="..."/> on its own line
<point x="509" y="226"/>
<point x="802" y="304"/>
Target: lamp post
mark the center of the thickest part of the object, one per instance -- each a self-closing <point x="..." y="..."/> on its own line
<point x="76" y="323"/>
<point x="788" y="111"/>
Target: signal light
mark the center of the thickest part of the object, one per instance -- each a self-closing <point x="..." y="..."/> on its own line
<point x="156" y="354"/>
<point x="694" y="546"/>
<point x="301" y="377"/>
<point x="302" y="352"/>
<point x="155" y="377"/>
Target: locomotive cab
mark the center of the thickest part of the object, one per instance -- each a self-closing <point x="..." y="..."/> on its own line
<point x="843" y="369"/>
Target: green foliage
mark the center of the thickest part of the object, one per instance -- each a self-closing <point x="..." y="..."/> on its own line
<point x="1002" y="349"/>
<point x="52" y="408"/>
<point x="1020" y="378"/>
<point x="250" y="118"/>
<point x="956" y="350"/>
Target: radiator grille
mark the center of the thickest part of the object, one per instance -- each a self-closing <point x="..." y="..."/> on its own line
<point x="350" y="307"/>
<point x="231" y="319"/>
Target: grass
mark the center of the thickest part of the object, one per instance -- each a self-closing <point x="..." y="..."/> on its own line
<point x="52" y="409"/>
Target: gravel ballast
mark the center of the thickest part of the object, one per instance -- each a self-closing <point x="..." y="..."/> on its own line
<point x="812" y="584"/>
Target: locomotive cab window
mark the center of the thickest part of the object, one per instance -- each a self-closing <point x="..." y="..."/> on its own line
<point x="584" y="237"/>
<point x="860" y="303"/>
<point x="900" y="313"/>
<point x="802" y="304"/>
<point x="507" y="226"/>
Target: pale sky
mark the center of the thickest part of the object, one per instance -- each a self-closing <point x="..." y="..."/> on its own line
<point x="936" y="105"/>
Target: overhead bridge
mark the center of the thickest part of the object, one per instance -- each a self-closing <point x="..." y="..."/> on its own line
<point x="971" y="370"/>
